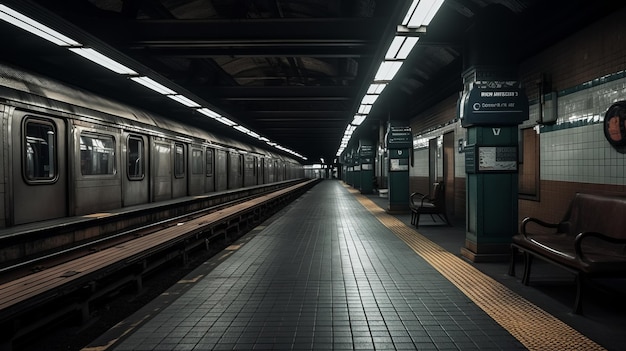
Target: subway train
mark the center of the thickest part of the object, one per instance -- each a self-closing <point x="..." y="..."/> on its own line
<point x="67" y="152"/>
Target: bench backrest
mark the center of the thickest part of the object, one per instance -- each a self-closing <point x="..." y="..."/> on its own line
<point x="597" y="213"/>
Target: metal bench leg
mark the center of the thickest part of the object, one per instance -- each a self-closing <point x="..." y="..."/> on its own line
<point x="528" y="261"/>
<point x="578" y="303"/>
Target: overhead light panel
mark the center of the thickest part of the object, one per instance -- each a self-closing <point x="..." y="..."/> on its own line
<point x="421" y="13"/>
<point x="387" y="70"/>
<point x="365" y="109"/>
<point x="358" y="119"/>
<point x="184" y="100"/>
<point x="242" y="129"/>
<point x="226" y="121"/>
<point x="369" y="99"/>
<point x="207" y="112"/>
<point x="34" y="27"/>
<point x="401" y="47"/>
<point x="151" y="84"/>
<point x="376" y="88"/>
<point x="104" y="61"/>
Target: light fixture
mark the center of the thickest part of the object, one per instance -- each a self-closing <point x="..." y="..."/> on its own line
<point x="104" y="61"/>
<point x="421" y="13"/>
<point x="365" y="109"/>
<point x="226" y="121"/>
<point x="151" y="84"/>
<point x="369" y="99"/>
<point x="210" y="113"/>
<point x="376" y="88"/>
<point x="401" y="47"/>
<point x="28" y="24"/>
<point x="184" y="100"/>
<point x="242" y="129"/>
<point x="387" y="70"/>
<point x="358" y="119"/>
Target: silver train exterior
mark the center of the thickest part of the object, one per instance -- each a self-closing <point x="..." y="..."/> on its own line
<point x="67" y="152"/>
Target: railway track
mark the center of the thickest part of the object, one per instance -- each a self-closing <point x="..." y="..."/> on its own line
<point x="73" y="281"/>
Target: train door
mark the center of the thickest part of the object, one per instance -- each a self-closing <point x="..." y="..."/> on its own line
<point x="135" y="181"/>
<point x="197" y="174"/>
<point x="448" y="169"/>
<point x="179" y="181"/>
<point x="39" y="163"/>
<point x="263" y="171"/>
<point x="235" y="170"/>
<point x="161" y="170"/>
<point x="221" y="170"/>
<point x="209" y="182"/>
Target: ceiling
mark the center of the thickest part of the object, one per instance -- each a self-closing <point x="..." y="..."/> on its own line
<point x="293" y="71"/>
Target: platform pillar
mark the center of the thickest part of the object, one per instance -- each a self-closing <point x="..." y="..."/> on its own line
<point x="366" y="162"/>
<point x="399" y="143"/>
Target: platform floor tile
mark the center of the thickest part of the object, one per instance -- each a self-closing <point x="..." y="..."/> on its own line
<point x="323" y="275"/>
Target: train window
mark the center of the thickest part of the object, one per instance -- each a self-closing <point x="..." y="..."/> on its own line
<point x="135" y="158"/>
<point x="196" y="161"/>
<point x="209" y="162"/>
<point x="179" y="161"/>
<point x="97" y="154"/>
<point x="40" y="156"/>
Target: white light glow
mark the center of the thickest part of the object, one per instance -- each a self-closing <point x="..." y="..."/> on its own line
<point x="226" y="121"/>
<point x="421" y="13"/>
<point x="184" y="100"/>
<point x="242" y="129"/>
<point x="151" y="84"/>
<point x="376" y="88"/>
<point x="96" y="57"/>
<point x="401" y="47"/>
<point x="369" y="99"/>
<point x="365" y="109"/>
<point x="388" y="70"/>
<point x="358" y="119"/>
<point x="28" y="24"/>
<point x="210" y="113"/>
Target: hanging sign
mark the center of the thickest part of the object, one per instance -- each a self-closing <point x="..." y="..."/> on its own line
<point x="493" y="103"/>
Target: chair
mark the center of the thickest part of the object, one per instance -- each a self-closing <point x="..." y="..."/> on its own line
<point x="424" y="204"/>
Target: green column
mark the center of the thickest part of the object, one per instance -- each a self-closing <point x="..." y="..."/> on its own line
<point x="366" y="161"/>
<point x="491" y="192"/>
<point x="399" y="141"/>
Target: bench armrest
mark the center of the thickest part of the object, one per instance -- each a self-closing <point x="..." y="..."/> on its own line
<point x="581" y="236"/>
<point x="537" y="221"/>
<point x="417" y="199"/>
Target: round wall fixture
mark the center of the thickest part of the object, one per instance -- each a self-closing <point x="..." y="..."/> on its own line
<point x="615" y="124"/>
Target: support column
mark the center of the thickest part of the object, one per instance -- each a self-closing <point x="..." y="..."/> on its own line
<point x="366" y="161"/>
<point x="399" y="143"/>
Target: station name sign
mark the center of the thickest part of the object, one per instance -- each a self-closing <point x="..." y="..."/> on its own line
<point x="493" y="103"/>
<point x="399" y="138"/>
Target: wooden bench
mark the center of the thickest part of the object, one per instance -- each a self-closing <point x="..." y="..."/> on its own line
<point x="432" y="205"/>
<point x="590" y="241"/>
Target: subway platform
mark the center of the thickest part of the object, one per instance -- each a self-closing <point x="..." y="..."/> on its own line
<point x="333" y="271"/>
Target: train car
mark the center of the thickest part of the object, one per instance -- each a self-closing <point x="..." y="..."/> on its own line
<point x="67" y="152"/>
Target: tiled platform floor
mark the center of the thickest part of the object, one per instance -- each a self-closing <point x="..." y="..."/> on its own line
<point x="323" y="274"/>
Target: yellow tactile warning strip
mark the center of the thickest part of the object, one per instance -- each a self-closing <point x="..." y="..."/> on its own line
<point x="533" y="327"/>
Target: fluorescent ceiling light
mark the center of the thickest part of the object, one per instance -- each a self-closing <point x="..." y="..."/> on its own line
<point x="376" y="88"/>
<point x="401" y="47"/>
<point x="151" y="84"/>
<point x="242" y="129"/>
<point x="253" y="134"/>
<point x="184" y="100"/>
<point x="96" y="57"/>
<point x="263" y="139"/>
<point x="365" y="109"/>
<point x="207" y="112"/>
<point x="226" y="121"/>
<point x="358" y="119"/>
<point x="388" y="70"/>
<point x="421" y="13"/>
<point x="369" y="99"/>
<point x="34" y="27"/>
